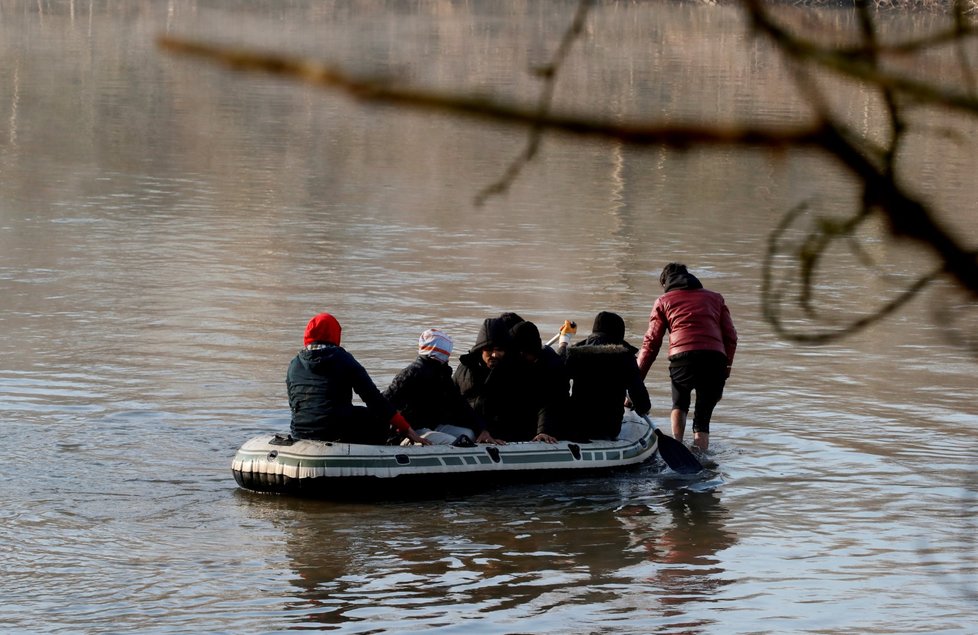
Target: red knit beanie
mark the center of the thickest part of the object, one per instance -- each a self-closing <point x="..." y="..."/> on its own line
<point x="323" y="329"/>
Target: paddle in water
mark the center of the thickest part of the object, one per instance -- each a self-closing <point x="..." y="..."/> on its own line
<point x="676" y="455"/>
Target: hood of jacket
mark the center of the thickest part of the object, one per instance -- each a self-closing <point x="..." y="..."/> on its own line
<point x="610" y="326"/>
<point x="494" y="332"/>
<point x="603" y="345"/>
<point x="682" y="280"/>
<point x="319" y="356"/>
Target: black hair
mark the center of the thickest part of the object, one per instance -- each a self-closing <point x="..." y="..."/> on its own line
<point x="669" y="270"/>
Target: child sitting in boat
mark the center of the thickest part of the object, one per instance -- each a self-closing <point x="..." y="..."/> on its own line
<point x="321" y="380"/>
<point x="426" y="395"/>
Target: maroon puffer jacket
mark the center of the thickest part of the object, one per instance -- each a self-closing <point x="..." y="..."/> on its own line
<point x="697" y="320"/>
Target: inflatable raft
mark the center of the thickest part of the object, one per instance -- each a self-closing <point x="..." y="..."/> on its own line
<point x="280" y="464"/>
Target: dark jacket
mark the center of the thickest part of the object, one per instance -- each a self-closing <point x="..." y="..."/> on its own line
<point x="497" y="395"/>
<point x="603" y="373"/>
<point x="321" y="383"/>
<point x="427" y="397"/>
<point x="517" y="400"/>
<point x="549" y="385"/>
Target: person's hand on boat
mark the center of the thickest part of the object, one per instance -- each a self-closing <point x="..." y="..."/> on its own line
<point x="485" y="437"/>
<point x="546" y="438"/>
<point x="416" y="438"/>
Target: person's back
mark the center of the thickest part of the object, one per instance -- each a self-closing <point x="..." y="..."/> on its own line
<point x="541" y="396"/>
<point x="696" y="319"/>
<point x="426" y="395"/>
<point x="320" y="383"/>
<point x="321" y="380"/>
<point x="702" y="345"/>
<point x="603" y="372"/>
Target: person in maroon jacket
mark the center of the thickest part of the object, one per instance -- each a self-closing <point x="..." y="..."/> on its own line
<point x="702" y="343"/>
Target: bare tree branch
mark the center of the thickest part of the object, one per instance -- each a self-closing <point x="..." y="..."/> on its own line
<point x="549" y="75"/>
<point x="872" y="164"/>
<point x="482" y="107"/>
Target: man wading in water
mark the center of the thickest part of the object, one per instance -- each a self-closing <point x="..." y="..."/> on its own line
<point x="702" y="343"/>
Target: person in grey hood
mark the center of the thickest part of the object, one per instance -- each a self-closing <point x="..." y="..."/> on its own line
<point x="603" y="373"/>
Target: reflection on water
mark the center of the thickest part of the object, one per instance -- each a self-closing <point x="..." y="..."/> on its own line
<point x="167" y="229"/>
<point x="685" y="544"/>
<point x="590" y="550"/>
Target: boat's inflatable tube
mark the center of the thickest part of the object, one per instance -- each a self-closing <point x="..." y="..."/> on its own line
<point x="278" y="464"/>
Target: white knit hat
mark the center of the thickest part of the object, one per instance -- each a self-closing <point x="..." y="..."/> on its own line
<point x="436" y="344"/>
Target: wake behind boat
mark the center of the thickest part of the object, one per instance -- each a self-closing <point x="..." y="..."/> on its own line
<point x="277" y="464"/>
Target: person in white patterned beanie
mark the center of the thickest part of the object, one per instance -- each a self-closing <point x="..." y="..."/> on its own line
<point x="425" y="390"/>
<point x="436" y="345"/>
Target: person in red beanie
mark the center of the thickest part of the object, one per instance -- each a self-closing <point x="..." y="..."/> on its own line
<point x="321" y="380"/>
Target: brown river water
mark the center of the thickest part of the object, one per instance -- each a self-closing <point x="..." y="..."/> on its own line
<point x="167" y="227"/>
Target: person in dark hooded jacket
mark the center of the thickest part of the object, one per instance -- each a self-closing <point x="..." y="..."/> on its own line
<point x="321" y="380"/>
<point x="702" y="343"/>
<point x="603" y="372"/>
<point x="491" y="378"/>
<point x="545" y="388"/>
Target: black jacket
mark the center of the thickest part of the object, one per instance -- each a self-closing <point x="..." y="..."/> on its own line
<point x="603" y="374"/>
<point x="493" y="394"/>
<point x="550" y="386"/>
<point x="427" y="397"/>
<point x="321" y="383"/>
<point x="517" y="400"/>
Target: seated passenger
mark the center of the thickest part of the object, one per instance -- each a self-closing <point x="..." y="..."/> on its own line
<point x="426" y="395"/>
<point x="321" y="381"/>
<point x="489" y="377"/>
<point x="604" y="372"/>
<point x="545" y="389"/>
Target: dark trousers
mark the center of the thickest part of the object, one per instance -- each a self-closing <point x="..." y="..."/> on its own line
<point x="704" y="372"/>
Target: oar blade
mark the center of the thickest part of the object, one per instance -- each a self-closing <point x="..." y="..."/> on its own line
<point x="677" y="456"/>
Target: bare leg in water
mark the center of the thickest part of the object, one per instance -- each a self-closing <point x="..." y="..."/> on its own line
<point x="678" y="420"/>
<point x="701" y="440"/>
